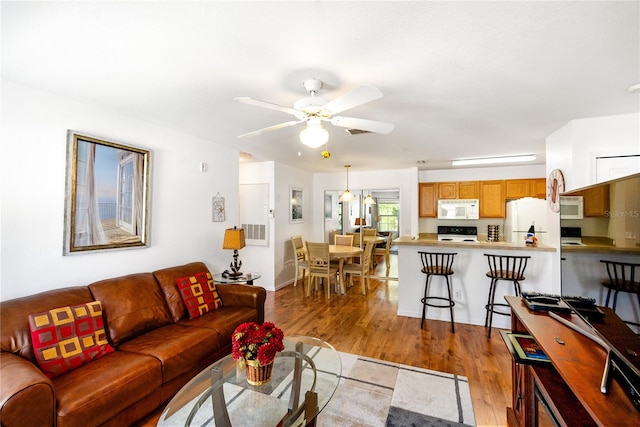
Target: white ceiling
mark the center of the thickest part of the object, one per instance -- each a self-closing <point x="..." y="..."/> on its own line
<point x="460" y="79"/>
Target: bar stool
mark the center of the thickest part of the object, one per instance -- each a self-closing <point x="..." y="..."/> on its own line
<point x="503" y="267"/>
<point x="437" y="264"/>
<point x="622" y="278"/>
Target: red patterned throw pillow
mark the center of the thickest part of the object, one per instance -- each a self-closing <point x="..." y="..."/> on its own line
<point x="68" y="337"/>
<point x="199" y="294"/>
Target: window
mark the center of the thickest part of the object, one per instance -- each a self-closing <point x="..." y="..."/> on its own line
<point x="388" y="216"/>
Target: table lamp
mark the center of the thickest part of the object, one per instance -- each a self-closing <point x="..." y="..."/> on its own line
<point x="233" y="239"/>
<point x="361" y="221"/>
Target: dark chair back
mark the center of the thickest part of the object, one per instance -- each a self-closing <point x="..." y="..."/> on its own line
<point x="435" y="263"/>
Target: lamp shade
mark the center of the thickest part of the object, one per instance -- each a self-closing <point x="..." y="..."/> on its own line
<point x="233" y="238"/>
<point x="347" y="196"/>
<point x="361" y="221"/>
<point x="369" y="200"/>
<point x="314" y="136"/>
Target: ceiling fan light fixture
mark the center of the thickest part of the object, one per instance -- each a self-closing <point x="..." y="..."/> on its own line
<point x="314" y="136"/>
<point x="493" y="160"/>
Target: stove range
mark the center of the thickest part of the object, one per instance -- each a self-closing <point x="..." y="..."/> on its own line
<point x="457" y="234"/>
<point x="571" y="236"/>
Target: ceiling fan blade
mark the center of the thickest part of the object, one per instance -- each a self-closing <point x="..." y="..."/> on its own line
<point x="270" y="128"/>
<point x="362" y="124"/>
<point x="356" y="97"/>
<point x="258" y="103"/>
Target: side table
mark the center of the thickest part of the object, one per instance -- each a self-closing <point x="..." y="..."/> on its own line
<point x="246" y="278"/>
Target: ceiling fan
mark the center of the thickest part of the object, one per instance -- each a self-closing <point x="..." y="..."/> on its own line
<point x="314" y="110"/>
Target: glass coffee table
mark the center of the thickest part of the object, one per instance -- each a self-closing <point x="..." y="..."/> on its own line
<point x="305" y="377"/>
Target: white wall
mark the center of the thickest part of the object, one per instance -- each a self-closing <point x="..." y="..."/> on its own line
<point x="275" y="262"/>
<point x="573" y="149"/>
<point x="33" y="158"/>
<point x="483" y="173"/>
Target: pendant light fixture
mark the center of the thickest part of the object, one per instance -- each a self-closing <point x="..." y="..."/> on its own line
<point x="369" y="200"/>
<point x="347" y="196"/>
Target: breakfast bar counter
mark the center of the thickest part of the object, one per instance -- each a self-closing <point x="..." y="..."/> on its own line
<point x="469" y="281"/>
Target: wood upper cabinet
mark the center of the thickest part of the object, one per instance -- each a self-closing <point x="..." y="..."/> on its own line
<point x="427" y="205"/>
<point x="596" y="201"/>
<point x="539" y="188"/>
<point x="458" y="190"/>
<point x="447" y="190"/>
<point x="492" y="199"/>
<point x="519" y="188"/>
<point x="468" y="190"/>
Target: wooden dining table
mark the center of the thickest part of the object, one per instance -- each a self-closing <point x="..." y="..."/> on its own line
<point x="367" y="239"/>
<point x="342" y="254"/>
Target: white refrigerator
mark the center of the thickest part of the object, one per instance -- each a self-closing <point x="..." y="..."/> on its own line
<point x="520" y="214"/>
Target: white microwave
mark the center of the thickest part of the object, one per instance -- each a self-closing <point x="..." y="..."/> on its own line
<point x="571" y="207"/>
<point x="458" y="209"/>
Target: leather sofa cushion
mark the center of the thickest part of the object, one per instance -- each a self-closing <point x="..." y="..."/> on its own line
<point x="132" y="305"/>
<point x="167" y="279"/>
<point x="14" y="328"/>
<point x="95" y="393"/>
<point x="224" y="321"/>
<point x="177" y="347"/>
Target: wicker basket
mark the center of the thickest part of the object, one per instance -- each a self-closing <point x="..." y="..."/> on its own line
<point x="258" y="374"/>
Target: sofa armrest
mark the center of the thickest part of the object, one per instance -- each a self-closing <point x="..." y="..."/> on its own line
<point x="27" y="396"/>
<point x="243" y="295"/>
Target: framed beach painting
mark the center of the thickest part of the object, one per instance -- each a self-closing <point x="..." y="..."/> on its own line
<point x="107" y="195"/>
<point x="296" y="205"/>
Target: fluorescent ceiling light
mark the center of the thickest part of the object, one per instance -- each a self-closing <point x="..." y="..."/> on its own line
<point x="491" y="160"/>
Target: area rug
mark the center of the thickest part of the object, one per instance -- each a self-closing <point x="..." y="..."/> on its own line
<point x="374" y="392"/>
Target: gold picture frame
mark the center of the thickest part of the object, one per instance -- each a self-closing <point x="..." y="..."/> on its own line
<point x="107" y="195"/>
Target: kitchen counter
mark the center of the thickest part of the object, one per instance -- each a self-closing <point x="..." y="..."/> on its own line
<point x="599" y="248"/>
<point x="470" y="285"/>
<point x="426" y="240"/>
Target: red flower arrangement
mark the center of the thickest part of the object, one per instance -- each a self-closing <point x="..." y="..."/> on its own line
<point x="257" y="342"/>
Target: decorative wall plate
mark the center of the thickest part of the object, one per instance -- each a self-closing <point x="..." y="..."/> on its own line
<point x="555" y="186"/>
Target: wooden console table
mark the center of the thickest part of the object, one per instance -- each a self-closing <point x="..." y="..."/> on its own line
<point x="567" y="391"/>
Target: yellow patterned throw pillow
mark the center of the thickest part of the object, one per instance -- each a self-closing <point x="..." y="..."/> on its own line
<point x="68" y="337"/>
<point x="199" y="294"/>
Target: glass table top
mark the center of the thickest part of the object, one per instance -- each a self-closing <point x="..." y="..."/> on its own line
<point x="246" y="277"/>
<point x="222" y="388"/>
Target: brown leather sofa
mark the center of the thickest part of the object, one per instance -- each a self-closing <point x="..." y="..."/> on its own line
<point x="158" y="350"/>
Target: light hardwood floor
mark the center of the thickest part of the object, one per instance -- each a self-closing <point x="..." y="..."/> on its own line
<point x="368" y="325"/>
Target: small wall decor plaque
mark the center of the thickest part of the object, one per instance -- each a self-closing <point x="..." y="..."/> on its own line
<point x="218" y="208"/>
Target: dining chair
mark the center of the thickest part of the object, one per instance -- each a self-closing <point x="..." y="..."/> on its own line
<point x="320" y="267"/>
<point x="299" y="258"/>
<point x="343" y="240"/>
<point x="369" y="232"/>
<point x="361" y="269"/>
<point x="384" y="251"/>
